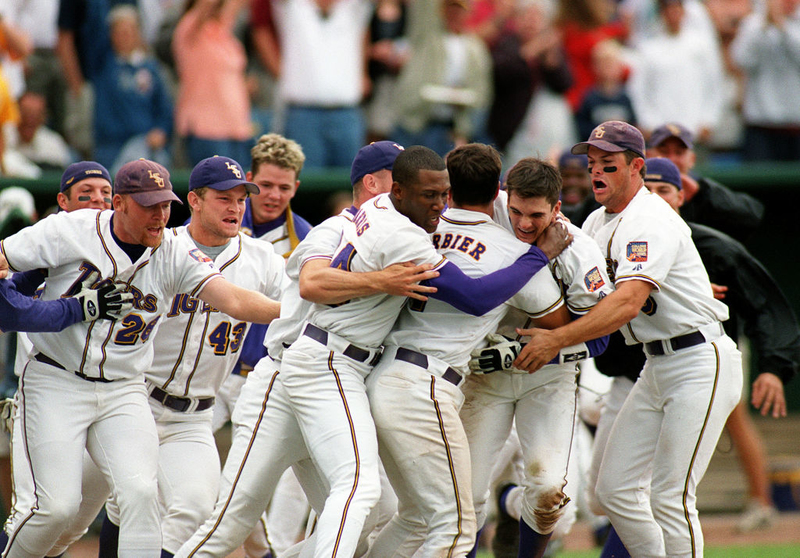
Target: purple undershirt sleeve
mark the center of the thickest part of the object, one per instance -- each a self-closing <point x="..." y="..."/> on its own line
<point x="478" y="295"/>
<point x="22" y="313"/>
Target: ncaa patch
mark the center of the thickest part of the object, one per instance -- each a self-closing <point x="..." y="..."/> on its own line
<point x="593" y="280"/>
<point x="637" y="251"/>
<point x="200" y="256"/>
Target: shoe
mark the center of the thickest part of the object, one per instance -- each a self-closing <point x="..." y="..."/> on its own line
<point x="505" y="543"/>
<point x="755" y="517"/>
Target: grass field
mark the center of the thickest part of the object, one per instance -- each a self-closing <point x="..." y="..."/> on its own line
<point x="759" y="551"/>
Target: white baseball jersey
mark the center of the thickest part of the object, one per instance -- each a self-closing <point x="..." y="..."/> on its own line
<point x="74" y="244"/>
<point x="478" y="246"/>
<point x="378" y="237"/>
<point x="648" y="241"/>
<point x="320" y="243"/>
<point x="197" y="345"/>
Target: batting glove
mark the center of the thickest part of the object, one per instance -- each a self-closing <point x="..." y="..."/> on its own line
<point x="104" y="301"/>
<point x="499" y="355"/>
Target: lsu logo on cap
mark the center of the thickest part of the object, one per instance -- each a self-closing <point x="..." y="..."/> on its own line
<point x="637" y="251"/>
<point x="236" y="172"/>
<point x="156" y="177"/>
<point x="593" y="280"/>
<point x="599" y="132"/>
<point x="200" y="256"/>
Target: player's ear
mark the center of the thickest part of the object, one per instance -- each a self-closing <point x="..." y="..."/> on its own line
<point x="118" y="202"/>
<point x="61" y="199"/>
<point x="397" y="190"/>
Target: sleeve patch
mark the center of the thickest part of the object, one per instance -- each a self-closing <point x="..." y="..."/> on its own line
<point x="637" y="251"/>
<point x="198" y="255"/>
<point x="593" y="280"/>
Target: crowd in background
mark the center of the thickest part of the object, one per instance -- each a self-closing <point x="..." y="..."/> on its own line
<point x="177" y="81"/>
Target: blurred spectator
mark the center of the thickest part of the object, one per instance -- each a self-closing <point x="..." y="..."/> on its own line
<point x="264" y="67"/>
<point x="643" y="20"/>
<point x="585" y="23"/>
<point x="32" y="139"/>
<point x="767" y="48"/>
<point x="83" y="38"/>
<point x="444" y="90"/>
<point x="213" y="108"/>
<point x="526" y="56"/>
<point x="677" y="76"/>
<point x="324" y="76"/>
<point x="43" y="73"/>
<point x="133" y="109"/>
<point x="547" y="123"/>
<point x="387" y="53"/>
<point x="15" y="46"/>
<point x="9" y="114"/>
<point x="608" y="98"/>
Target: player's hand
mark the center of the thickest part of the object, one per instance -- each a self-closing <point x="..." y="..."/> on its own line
<point x="3" y="267"/>
<point x="554" y="240"/>
<point x="403" y="280"/>
<point x="104" y="301"/>
<point x="499" y="355"/>
<point x="541" y="349"/>
<point x="719" y="291"/>
<point x="768" y="393"/>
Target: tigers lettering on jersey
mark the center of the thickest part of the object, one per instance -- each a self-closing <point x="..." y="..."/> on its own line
<point x="361" y="222"/>
<point x="462" y="243"/>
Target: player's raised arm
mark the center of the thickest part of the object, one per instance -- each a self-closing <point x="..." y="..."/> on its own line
<point x="327" y="285"/>
<point x="239" y="303"/>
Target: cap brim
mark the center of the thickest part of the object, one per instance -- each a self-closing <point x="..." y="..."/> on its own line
<point x="582" y="148"/>
<point x="233" y="183"/>
<point x="148" y="199"/>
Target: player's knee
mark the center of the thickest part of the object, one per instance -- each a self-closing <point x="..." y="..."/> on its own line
<point x="59" y="511"/>
<point x="608" y="495"/>
<point x="136" y="493"/>
<point x="543" y="508"/>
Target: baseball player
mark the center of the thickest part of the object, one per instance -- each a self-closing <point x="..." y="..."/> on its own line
<point x="276" y="163"/>
<point x="266" y="437"/>
<point x="414" y="391"/>
<point x="83" y="387"/>
<point x="182" y="383"/>
<point x="543" y="404"/>
<point x="692" y="377"/>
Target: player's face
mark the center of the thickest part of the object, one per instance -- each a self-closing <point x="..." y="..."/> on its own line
<point x="218" y="215"/>
<point x="668" y="192"/>
<point x="277" y="186"/>
<point x="139" y="224"/>
<point x="530" y="216"/>
<point x="89" y="193"/>
<point x="575" y="185"/>
<point x="424" y="200"/>
<point x="674" y="150"/>
<point x="611" y="178"/>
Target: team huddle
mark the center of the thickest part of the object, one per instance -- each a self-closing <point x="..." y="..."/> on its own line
<point x="409" y="336"/>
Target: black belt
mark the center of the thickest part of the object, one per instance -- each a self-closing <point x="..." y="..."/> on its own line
<point x="418" y="359"/>
<point x="47" y="360"/>
<point x="180" y="404"/>
<point x="356" y="353"/>
<point x="677" y="343"/>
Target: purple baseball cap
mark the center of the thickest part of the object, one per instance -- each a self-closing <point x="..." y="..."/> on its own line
<point x="661" y="169"/>
<point x="613" y="136"/>
<point x="672" y="130"/>
<point x="378" y="155"/>
<point x="219" y="173"/>
<point x="81" y="171"/>
<point x="146" y="182"/>
<point x="571" y="160"/>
